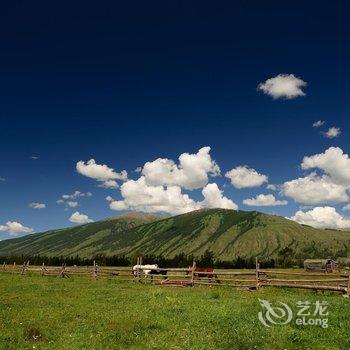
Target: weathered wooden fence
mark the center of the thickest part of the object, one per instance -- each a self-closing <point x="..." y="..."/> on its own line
<point x="336" y="281"/>
<point x="64" y="271"/>
<point x="253" y="279"/>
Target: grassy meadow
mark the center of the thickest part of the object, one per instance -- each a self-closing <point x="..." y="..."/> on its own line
<point x="79" y="313"/>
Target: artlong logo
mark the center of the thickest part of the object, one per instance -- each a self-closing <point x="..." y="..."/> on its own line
<point x="273" y="315"/>
<point x="283" y="314"/>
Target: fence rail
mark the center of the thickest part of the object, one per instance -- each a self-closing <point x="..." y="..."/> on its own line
<point x="250" y="279"/>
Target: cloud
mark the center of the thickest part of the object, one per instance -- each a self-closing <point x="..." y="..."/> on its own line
<point x="109" y="184"/>
<point x="243" y="177"/>
<point x="330" y="187"/>
<point x="14" y="228"/>
<point x="264" y="200"/>
<point x="101" y="173"/>
<point x="139" y="195"/>
<point x="34" y="157"/>
<point x="191" y="173"/>
<point x="96" y="171"/>
<point x="332" y="132"/>
<point x="272" y="187"/>
<point x="121" y="205"/>
<point x="2" y="179"/>
<point x="71" y="199"/>
<point x="314" y="189"/>
<point x="78" y="218"/>
<point x="322" y="217"/>
<point x="318" y="124"/>
<point x="76" y="195"/>
<point x="214" y="198"/>
<point x="333" y="162"/>
<point x="36" y="205"/>
<point x="283" y="86"/>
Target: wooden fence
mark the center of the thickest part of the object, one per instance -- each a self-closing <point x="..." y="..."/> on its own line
<point x="253" y="279"/>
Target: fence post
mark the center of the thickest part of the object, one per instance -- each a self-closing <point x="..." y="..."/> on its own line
<point x="4" y="266"/>
<point x="257" y="266"/>
<point x="43" y="269"/>
<point x="139" y="270"/>
<point x="94" y="272"/>
<point x="192" y="271"/>
<point x="23" y="269"/>
<point x="63" y="272"/>
<point x="14" y="267"/>
<point x="348" y="289"/>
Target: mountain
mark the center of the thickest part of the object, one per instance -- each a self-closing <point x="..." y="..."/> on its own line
<point x="84" y="240"/>
<point x="227" y="233"/>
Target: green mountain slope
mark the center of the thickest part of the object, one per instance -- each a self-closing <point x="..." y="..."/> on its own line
<point x="84" y="240"/>
<point x="227" y="233"/>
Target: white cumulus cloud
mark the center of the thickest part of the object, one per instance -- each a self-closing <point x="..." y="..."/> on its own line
<point x="15" y="228"/>
<point x="36" y="205"/>
<point x="139" y="195"/>
<point x="101" y="173"/>
<point x="214" y="198"/>
<point x="333" y="162"/>
<point x="243" y="177"/>
<point x="332" y="132"/>
<point x="318" y="124"/>
<point x="78" y="218"/>
<point x="283" y="86"/>
<point x="191" y="173"/>
<point x="329" y="187"/>
<point x="313" y="189"/>
<point x="109" y="184"/>
<point x="272" y="187"/>
<point x="264" y="200"/>
<point x="120" y="205"/>
<point x="322" y="217"/>
<point x="70" y="200"/>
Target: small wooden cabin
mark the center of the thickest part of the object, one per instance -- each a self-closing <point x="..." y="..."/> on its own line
<point x="321" y="265"/>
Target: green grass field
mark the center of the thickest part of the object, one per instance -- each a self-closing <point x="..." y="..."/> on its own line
<point x="79" y="313"/>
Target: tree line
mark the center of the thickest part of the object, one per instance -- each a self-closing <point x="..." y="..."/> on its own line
<point x="180" y="260"/>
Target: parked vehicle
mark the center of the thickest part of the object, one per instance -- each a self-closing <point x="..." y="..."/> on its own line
<point x="321" y="265"/>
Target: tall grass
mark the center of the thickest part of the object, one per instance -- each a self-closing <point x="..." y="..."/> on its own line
<point x="78" y="313"/>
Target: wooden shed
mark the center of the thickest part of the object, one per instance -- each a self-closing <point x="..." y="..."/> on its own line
<point x="321" y="265"/>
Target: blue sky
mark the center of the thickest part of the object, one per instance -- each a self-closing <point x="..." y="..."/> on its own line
<point x="127" y="83"/>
